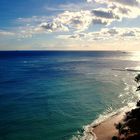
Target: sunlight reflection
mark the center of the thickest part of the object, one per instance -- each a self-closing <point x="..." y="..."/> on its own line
<point x="135" y="56"/>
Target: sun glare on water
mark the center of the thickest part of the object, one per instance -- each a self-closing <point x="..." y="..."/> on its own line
<point x="135" y="56"/>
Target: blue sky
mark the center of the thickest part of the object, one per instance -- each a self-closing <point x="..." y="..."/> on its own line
<point x="69" y="24"/>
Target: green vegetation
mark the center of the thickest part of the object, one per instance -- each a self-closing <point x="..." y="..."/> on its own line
<point x="129" y="128"/>
<point x="137" y="79"/>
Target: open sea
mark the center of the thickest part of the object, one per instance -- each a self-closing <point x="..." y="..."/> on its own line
<point x="57" y="95"/>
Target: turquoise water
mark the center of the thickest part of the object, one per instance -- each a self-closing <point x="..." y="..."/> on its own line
<point x="50" y="95"/>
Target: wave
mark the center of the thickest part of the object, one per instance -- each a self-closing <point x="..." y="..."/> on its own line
<point x="88" y="133"/>
<point x="131" y="69"/>
<point x="128" y="98"/>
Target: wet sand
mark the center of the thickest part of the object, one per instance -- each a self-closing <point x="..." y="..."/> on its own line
<point x="106" y="129"/>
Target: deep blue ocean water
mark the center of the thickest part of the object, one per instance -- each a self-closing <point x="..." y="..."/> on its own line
<point x="51" y="95"/>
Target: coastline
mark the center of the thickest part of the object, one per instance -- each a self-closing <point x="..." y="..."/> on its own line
<point x="106" y="129"/>
<point x="127" y="123"/>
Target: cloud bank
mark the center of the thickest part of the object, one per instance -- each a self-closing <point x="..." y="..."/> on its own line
<point x="6" y="33"/>
<point x="106" y="12"/>
<point x="78" y="22"/>
<point x="106" y="34"/>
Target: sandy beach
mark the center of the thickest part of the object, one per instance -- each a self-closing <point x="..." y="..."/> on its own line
<point x="106" y="129"/>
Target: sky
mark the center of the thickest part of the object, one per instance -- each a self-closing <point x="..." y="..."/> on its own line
<point x="70" y="25"/>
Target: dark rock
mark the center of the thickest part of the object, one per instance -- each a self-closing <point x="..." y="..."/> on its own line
<point x="138" y="88"/>
<point x="133" y="137"/>
<point x="114" y="138"/>
<point x="138" y="103"/>
<point x="133" y="125"/>
<point x="137" y="78"/>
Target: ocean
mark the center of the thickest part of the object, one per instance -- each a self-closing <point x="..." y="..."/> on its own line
<point x="55" y="95"/>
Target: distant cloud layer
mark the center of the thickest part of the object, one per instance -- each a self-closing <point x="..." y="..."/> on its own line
<point x="122" y="2"/>
<point x="6" y="33"/>
<point x="106" y="34"/>
<point x="52" y="27"/>
<point x="113" y="10"/>
<point x="127" y="2"/>
<point x="77" y="22"/>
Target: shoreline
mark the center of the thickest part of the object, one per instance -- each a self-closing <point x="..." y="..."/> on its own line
<point x="106" y="129"/>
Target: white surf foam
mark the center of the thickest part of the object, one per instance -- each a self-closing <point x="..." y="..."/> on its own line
<point x="88" y="133"/>
<point x="129" y="90"/>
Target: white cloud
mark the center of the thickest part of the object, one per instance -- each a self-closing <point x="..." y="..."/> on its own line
<point x="106" y="34"/>
<point x="127" y="2"/>
<point x="75" y="20"/>
<point x="120" y="8"/>
<point x="108" y="14"/>
<point x="113" y="10"/>
<point x="42" y="28"/>
<point x="34" y="19"/>
<point x="101" y="21"/>
<point x="6" y="33"/>
<point x="73" y="7"/>
<point x="52" y="27"/>
<point x="122" y="2"/>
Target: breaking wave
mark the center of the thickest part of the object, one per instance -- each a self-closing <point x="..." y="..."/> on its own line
<point x="128" y="97"/>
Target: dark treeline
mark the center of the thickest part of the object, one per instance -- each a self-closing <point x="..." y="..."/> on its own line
<point x="129" y="127"/>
